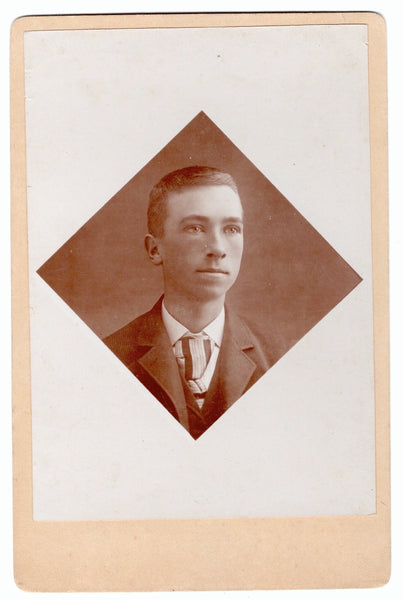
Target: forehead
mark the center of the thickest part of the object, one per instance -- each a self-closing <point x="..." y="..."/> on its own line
<point x="210" y="201"/>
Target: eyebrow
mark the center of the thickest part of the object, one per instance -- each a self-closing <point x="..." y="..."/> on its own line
<point x="205" y="219"/>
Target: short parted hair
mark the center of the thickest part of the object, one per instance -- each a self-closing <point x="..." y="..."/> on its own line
<point x="175" y="182"/>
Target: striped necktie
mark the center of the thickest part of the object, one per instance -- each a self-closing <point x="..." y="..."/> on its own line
<point x="193" y="352"/>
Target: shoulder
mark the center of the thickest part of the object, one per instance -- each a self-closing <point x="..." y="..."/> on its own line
<point x="249" y="336"/>
<point x="128" y="341"/>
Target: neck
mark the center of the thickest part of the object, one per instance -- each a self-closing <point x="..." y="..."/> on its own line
<point x="193" y="314"/>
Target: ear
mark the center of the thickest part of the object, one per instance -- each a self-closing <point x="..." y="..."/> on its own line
<point x="151" y="244"/>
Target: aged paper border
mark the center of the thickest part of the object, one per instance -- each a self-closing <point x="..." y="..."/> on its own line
<point x="200" y="554"/>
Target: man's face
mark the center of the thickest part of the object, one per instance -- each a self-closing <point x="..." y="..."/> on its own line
<point x="201" y="246"/>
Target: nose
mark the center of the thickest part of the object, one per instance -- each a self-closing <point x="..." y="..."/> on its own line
<point x="215" y="246"/>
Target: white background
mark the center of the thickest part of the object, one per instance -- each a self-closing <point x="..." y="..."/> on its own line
<point x="392" y="16"/>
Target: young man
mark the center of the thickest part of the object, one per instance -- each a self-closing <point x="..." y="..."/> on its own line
<point x="189" y="350"/>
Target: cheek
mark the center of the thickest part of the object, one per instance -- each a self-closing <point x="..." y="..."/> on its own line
<point x="183" y="253"/>
<point x="237" y="248"/>
<point x="192" y="246"/>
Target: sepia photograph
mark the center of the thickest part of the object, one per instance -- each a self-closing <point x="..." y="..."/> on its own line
<point x="196" y="226"/>
<point x="201" y="227"/>
<point x="264" y="263"/>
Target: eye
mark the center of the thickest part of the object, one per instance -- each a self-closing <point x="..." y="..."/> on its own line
<point x="232" y="229"/>
<point x="194" y="228"/>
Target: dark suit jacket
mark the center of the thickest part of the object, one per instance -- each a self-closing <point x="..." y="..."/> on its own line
<point x="144" y="347"/>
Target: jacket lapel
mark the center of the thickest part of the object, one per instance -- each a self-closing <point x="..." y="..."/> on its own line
<point x="159" y="362"/>
<point x="237" y="367"/>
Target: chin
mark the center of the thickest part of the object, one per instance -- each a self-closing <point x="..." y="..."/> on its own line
<point x="209" y="293"/>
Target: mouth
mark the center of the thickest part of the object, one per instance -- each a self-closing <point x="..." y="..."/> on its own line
<point x="213" y="271"/>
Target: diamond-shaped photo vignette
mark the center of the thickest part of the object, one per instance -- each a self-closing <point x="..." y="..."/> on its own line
<point x="290" y="276"/>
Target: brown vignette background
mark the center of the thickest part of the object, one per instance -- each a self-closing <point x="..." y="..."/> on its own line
<point x="290" y="276"/>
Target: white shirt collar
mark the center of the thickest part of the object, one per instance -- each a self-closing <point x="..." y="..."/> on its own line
<point x="176" y="330"/>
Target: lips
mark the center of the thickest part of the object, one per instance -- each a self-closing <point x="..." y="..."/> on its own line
<point x="212" y="270"/>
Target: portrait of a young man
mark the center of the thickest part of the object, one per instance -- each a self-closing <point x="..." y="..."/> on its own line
<point x="166" y="361"/>
<point x="190" y="351"/>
